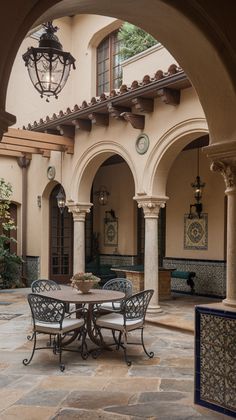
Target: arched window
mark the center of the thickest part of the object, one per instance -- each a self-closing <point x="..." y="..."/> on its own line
<point x="109" y="72"/>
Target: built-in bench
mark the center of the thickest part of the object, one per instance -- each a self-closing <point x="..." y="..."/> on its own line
<point x="185" y="275"/>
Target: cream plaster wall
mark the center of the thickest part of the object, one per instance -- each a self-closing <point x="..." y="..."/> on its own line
<point x="146" y="62"/>
<point x="119" y="182"/>
<point x="75" y="34"/>
<point x="180" y="193"/>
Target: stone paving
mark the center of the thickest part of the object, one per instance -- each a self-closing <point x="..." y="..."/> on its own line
<point x="104" y="388"/>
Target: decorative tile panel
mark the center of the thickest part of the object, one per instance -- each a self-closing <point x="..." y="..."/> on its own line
<point x="210" y="276"/>
<point x="215" y="367"/>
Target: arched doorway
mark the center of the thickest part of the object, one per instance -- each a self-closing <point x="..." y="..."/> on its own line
<point x="60" y="241"/>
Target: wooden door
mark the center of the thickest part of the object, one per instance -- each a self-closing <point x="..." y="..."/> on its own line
<point x="61" y="241"/>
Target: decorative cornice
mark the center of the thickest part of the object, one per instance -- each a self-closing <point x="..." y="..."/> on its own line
<point x="174" y="79"/>
<point x="227" y="168"/>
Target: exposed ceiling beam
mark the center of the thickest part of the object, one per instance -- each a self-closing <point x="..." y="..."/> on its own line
<point x="169" y="96"/>
<point x="99" y="119"/>
<point x="38" y="137"/>
<point x="82" y="124"/>
<point x="143" y="104"/>
<point x="12" y="153"/>
<point x="136" y="120"/>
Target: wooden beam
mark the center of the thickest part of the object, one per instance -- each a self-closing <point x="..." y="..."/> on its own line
<point x="46" y="153"/>
<point x="66" y="130"/>
<point x="12" y="153"/>
<point x="37" y="145"/>
<point x="19" y="148"/>
<point x="99" y="119"/>
<point x="136" y="120"/>
<point x="38" y="137"/>
<point x="143" y="104"/>
<point x="116" y="111"/>
<point x="82" y="124"/>
<point x="169" y="96"/>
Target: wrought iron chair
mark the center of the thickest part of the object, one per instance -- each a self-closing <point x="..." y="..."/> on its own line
<point x="49" y="317"/>
<point x="131" y="317"/>
<point x="120" y="284"/>
<point x="44" y="285"/>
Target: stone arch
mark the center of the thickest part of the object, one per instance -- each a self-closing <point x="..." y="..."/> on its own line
<point x="102" y="33"/>
<point x="165" y="152"/>
<point x="88" y="164"/>
<point x="195" y="36"/>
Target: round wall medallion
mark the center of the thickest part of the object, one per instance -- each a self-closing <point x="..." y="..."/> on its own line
<point x="142" y="143"/>
<point x="51" y="172"/>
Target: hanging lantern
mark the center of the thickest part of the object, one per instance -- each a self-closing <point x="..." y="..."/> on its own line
<point x="48" y="65"/>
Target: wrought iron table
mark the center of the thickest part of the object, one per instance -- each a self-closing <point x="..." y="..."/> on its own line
<point x="68" y="294"/>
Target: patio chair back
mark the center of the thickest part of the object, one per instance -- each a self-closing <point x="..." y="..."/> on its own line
<point x="121" y="285"/>
<point x="44" y="285"/>
<point x="135" y="306"/>
<point x="46" y="309"/>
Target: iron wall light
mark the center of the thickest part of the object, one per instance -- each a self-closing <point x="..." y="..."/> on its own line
<point x="197" y="185"/>
<point x="103" y="195"/>
<point x="48" y="65"/>
<point x="61" y="199"/>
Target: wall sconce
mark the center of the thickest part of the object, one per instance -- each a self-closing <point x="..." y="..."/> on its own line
<point x="61" y="199"/>
<point x="110" y="216"/>
<point x="102" y="194"/>
<point x="197" y="185"/>
<point x="39" y="201"/>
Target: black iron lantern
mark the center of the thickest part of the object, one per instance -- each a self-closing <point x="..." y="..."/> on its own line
<point x="197" y="185"/>
<point x="61" y="199"/>
<point x="48" y="65"/>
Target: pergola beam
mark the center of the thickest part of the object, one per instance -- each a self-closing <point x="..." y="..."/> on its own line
<point x="33" y="136"/>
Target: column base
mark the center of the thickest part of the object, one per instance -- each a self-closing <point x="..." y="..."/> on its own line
<point x="154" y="309"/>
<point x="229" y="302"/>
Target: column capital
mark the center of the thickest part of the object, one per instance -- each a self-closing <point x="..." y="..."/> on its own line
<point x="227" y="168"/>
<point x="79" y="210"/>
<point x="151" y="205"/>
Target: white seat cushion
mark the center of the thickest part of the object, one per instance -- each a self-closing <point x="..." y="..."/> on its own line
<point x="115" y="321"/>
<point x="110" y="306"/>
<point x="68" y="324"/>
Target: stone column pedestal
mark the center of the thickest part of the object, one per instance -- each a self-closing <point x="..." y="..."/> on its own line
<point x="79" y="211"/>
<point x="151" y="207"/>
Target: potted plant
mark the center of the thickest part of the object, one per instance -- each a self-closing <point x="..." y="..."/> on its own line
<point x="83" y="282"/>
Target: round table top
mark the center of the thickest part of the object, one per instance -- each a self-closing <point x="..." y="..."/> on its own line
<point x="69" y="294"/>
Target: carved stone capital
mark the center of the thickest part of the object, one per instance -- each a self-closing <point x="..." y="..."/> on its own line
<point x="79" y="210"/>
<point x="151" y="207"/>
<point x="227" y="168"/>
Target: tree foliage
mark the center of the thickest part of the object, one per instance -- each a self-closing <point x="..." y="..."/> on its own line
<point x="134" y="40"/>
<point x="9" y="261"/>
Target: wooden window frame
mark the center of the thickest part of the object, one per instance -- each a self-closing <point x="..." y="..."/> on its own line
<point x="112" y="40"/>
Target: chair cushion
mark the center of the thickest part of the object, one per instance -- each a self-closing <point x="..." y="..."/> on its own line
<point x="115" y="321"/>
<point x="110" y="306"/>
<point x="54" y="328"/>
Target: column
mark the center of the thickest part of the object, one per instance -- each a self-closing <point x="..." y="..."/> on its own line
<point x="151" y="207"/>
<point x="227" y="168"/>
<point x="79" y="211"/>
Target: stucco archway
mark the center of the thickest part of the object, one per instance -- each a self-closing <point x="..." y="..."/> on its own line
<point x="191" y="32"/>
<point x="88" y="164"/>
<point x="165" y="152"/>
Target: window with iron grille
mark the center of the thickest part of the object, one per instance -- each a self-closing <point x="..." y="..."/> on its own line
<point x="109" y="72"/>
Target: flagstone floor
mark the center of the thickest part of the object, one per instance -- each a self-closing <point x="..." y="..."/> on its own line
<point x="104" y="388"/>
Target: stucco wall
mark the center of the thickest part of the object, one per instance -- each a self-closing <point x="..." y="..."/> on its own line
<point x="181" y="194"/>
